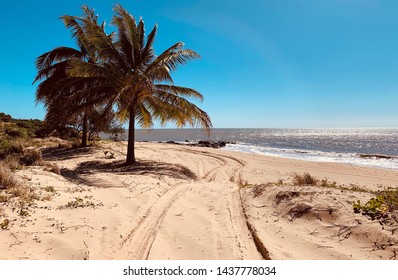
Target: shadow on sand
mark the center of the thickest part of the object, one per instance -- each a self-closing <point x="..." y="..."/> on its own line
<point x="144" y="167"/>
<point x="59" y="154"/>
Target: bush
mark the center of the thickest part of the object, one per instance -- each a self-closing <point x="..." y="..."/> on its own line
<point x="24" y="193"/>
<point x="379" y="207"/>
<point x="21" y="128"/>
<point x="14" y="131"/>
<point x="54" y="168"/>
<point x="305" y="179"/>
<point x="10" y="147"/>
<point x="7" y="179"/>
<point x="12" y="161"/>
<point x="29" y="127"/>
<point x="4" y="117"/>
<point x="31" y="157"/>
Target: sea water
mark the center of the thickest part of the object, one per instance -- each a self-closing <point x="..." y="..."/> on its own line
<point x="365" y="147"/>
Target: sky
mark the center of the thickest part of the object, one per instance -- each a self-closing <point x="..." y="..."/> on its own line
<point x="264" y="63"/>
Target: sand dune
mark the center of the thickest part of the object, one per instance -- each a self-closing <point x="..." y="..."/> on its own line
<point x="193" y="203"/>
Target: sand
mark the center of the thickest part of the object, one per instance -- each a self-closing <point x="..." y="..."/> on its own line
<point x="192" y="203"/>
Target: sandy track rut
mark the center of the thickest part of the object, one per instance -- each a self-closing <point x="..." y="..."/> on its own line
<point x="138" y="243"/>
<point x="200" y="219"/>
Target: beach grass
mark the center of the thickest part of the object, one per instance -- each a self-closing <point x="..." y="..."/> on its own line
<point x="52" y="167"/>
<point x="304" y="179"/>
<point x="7" y="179"/>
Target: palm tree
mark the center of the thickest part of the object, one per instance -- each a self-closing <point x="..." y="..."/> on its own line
<point x="130" y="76"/>
<point x="61" y="94"/>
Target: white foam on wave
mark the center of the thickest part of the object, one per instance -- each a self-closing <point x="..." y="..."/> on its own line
<point x="315" y="156"/>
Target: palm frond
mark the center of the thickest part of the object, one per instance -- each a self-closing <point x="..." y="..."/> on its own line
<point x="159" y="74"/>
<point x="57" y="55"/>
<point x="58" y="69"/>
<point x="105" y="48"/>
<point x="148" y="53"/>
<point x="170" y="60"/>
<point x="173" y="59"/>
<point x="143" y="116"/>
<point x="78" y="33"/>
<point x="178" y="90"/>
<point x="124" y="41"/>
<point x="141" y="35"/>
<point x="180" y="111"/>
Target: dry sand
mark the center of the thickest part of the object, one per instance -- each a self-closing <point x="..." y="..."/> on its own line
<point x="185" y="203"/>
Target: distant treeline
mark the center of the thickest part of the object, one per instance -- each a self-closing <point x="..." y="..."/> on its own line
<point x="11" y="128"/>
<point x="20" y="128"/>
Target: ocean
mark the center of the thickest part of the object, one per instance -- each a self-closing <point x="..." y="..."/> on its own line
<point x="364" y="147"/>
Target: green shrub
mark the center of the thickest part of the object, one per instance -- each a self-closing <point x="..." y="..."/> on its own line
<point x="23" y="211"/>
<point x="8" y="147"/>
<point x="21" y="128"/>
<point x="390" y="199"/>
<point x="379" y="207"/>
<point x="31" y="127"/>
<point x="79" y="202"/>
<point x="13" y="131"/>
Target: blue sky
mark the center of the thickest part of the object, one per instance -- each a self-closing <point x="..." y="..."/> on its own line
<point x="265" y="63"/>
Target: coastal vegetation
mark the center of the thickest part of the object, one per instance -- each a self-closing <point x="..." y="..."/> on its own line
<point x="7" y="179"/>
<point x="304" y="179"/>
<point x="383" y="206"/>
<point x="116" y="71"/>
<point x="15" y="136"/>
<point x="19" y="148"/>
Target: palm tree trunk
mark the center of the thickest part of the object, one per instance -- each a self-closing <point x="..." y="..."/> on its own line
<point x="131" y="140"/>
<point x="85" y="130"/>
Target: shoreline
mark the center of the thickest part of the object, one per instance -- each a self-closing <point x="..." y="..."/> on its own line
<point x="379" y="161"/>
<point x="193" y="203"/>
<point x="363" y="147"/>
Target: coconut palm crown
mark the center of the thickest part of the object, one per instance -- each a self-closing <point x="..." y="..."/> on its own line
<point x="64" y="96"/>
<point x="131" y="77"/>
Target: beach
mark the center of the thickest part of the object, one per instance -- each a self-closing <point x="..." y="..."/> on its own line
<point x="183" y="202"/>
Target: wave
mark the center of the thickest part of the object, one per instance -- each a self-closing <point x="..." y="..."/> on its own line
<point x="370" y="160"/>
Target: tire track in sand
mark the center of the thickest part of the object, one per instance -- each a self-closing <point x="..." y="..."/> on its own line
<point x="235" y="207"/>
<point x="222" y="179"/>
<point x="210" y="175"/>
<point x="138" y="243"/>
